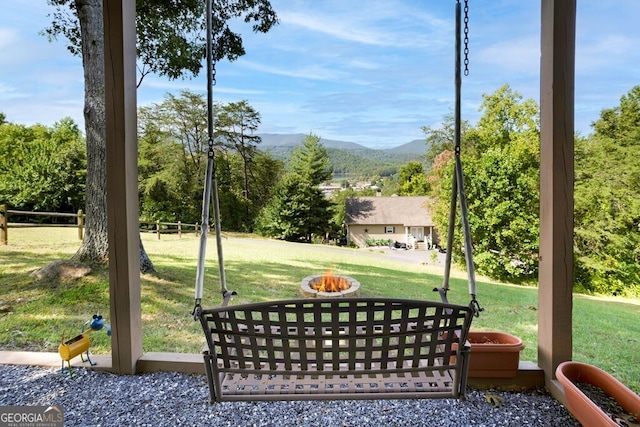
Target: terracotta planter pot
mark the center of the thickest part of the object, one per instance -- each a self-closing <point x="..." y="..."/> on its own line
<point x="584" y="409"/>
<point x="494" y="355"/>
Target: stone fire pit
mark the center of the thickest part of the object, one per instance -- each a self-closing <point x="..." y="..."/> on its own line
<point x="307" y="290"/>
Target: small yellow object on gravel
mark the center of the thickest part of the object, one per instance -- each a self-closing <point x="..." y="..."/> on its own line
<point x="493" y="399"/>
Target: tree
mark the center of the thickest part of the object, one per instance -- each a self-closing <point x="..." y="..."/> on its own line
<point x="413" y="180"/>
<point x="607" y="201"/>
<point x="42" y="168"/>
<point x="506" y="117"/>
<point x="442" y="139"/>
<point x="238" y="212"/>
<point x="298" y="208"/>
<point x="173" y="144"/>
<point x="172" y="158"/>
<point x="236" y="122"/>
<point x="170" y="43"/>
<point x="501" y="166"/>
<point x="168" y="176"/>
<point x="310" y="161"/>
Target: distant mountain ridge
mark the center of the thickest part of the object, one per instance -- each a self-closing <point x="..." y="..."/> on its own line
<point x="350" y="157"/>
<point x="417" y="146"/>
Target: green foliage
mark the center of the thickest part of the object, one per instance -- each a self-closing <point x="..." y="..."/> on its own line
<point x="441" y="139"/>
<point x="235" y="207"/>
<point x="172" y="146"/>
<point x="173" y="150"/>
<point x="236" y="123"/>
<point x="310" y="161"/>
<point x="171" y="35"/>
<point x="413" y="180"/>
<point x="339" y="201"/>
<point x="42" y="168"/>
<point x="367" y="162"/>
<point x="298" y="208"/>
<point x="503" y="195"/>
<point x="607" y="202"/>
<point x="378" y="242"/>
<point x="501" y="168"/>
<point x="501" y="165"/>
<point x="237" y="211"/>
<point x="363" y="162"/>
<point x="506" y="117"/>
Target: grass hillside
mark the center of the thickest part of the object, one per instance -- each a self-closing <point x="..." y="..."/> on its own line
<point x="36" y="315"/>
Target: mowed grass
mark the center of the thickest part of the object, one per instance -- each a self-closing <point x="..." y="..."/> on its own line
<point x="36" y="316"/>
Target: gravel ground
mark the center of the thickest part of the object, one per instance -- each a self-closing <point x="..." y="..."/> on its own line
<point x="170" y="399"/>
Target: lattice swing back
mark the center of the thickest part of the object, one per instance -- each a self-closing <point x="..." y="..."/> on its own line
<point x="340" y="348"/>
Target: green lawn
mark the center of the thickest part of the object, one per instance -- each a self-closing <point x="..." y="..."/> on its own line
<point x="36" y="316"/>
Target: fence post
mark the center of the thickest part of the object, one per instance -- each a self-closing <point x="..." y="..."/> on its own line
<point x="197" y="230"/>
<point x="179" y="229"/>
<point x="158" y="228"/>
<point x="80" y="224"/>
<point x="4" y="225"/>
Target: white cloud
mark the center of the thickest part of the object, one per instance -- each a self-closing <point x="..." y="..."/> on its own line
<point x="515" y="55"/>
<point x="8" y="37"/>
<point x="8" y="92"/>
<point x="603" y="52"/>
<point x="334" y="27"/>
<point x="304" y="71"/>
<point x="388" y="23"/>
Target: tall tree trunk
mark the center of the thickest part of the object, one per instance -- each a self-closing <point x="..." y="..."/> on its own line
<point x="95" y="245"/>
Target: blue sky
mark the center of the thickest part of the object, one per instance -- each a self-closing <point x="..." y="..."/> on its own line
<point x="372" y="72"/>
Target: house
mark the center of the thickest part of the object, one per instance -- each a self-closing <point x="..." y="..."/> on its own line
<point x="400" y="218"/>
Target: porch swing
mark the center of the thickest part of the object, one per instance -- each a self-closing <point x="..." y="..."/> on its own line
<point x="336" y="348"/>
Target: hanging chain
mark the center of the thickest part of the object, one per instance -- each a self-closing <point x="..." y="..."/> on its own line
<point x="466" y="37"/>
<point x="212" y="64"/>
<point x="213" y="72"/>
<point x="214" y="41"/>
<point x="213" y="25"/>
<point x="211" y="152"/>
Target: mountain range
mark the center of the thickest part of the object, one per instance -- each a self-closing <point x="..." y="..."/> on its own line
<point x="269" y="140"/>
<point x="349" y="158"/>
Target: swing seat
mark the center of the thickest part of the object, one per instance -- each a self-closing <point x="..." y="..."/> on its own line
<point x="336" y="348"/>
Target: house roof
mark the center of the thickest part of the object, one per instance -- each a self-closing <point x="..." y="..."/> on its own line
<point x="406" y="210"/>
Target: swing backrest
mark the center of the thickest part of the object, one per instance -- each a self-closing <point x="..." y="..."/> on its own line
<point x="336" y="341"/>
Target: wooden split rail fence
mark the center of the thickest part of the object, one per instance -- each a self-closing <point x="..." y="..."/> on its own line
<point x="158" y="226"/>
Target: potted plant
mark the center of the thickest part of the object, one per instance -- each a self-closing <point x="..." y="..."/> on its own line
<point x="494" y="354"/>
<point x="589" y="390"/>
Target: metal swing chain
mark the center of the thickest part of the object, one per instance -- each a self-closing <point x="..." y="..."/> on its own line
<point x="466" y="37"/>
<point x="211" y="152"/>
<point x="212" y="82"/>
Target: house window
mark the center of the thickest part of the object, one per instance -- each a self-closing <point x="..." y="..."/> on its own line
<point x="389" y="229"/>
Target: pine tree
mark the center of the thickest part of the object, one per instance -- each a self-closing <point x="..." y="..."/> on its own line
<point x="298" y="209"/>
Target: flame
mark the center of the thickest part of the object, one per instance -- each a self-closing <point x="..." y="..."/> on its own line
<point x="331" y="283"/>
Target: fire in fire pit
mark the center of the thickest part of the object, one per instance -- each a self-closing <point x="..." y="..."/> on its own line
<point x="329" y="285"/>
